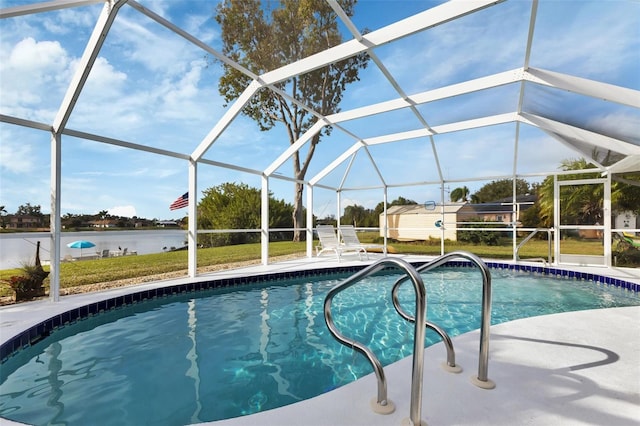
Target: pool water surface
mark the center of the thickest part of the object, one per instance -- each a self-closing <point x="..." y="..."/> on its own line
<point x="224" y="353"/>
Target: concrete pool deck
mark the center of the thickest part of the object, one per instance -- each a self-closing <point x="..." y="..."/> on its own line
<point x="578" y="368"/>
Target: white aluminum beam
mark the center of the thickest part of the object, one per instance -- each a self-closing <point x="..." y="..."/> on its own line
<point x="583" y="86"/>
<point x="345" y="19"/>
<point x="25" y="123"/>
<point x="362" y="188"/>
<point x="375" y="166"/>
<point x="275" y="165"/>
<point x="182" y="33"/>
<point x="98" y="36"/>
<point x="124" y="144"/>
<point x="192" y="226"/>
<point x="225" y="121"/>
<point x="55" y="237"/>
<point x="430" y="18"/>
<point x="470" y="86"/>
<point x="532" y="26"/>
<point x="10" y="12"/>
<point x="189" y="37"/>
<point x="573" y="132"/>
<point x="628" y="164"/>
<point x="230" y="167"/>
<point x="395" y="137"/>
<point x="444" y="128"/>
<point x="264" y="220"/>
<point x="310" y="224"/>
<point x="324" y="186"/>
<point x="346" y="172"/>
<point x="491" y="120"/>
<point x="335" y="163"/>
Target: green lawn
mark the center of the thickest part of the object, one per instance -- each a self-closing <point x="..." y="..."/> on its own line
<point x="116" y="268"/>
<point x="111" y="269"/>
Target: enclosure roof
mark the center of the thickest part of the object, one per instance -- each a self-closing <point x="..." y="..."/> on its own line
<point x="529" y="83"/>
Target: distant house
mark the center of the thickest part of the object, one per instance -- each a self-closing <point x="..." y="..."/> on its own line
<point x="497" y="211"/>
<point x="416" y="222"/>
<point x="103" y="223"/>
<point x="23" y="221"/>
<point x="167" y="224"/>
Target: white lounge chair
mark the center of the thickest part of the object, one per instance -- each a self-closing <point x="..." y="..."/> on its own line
<point x="350" y="238"/>
<point x="329" y="242"/>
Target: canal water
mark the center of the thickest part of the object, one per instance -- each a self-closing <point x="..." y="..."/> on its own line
<point x="19" y="248"/>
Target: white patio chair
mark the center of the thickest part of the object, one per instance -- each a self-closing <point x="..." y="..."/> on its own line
<point x="350" y="239"/>
<point x="329" y="242"/>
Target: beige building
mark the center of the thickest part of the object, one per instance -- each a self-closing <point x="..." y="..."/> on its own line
<point x="415" y="222"/>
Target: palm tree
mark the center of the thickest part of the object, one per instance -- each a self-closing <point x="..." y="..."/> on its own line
<point x="3" y="212"/>
<point x="583" y="204"/>
<point x="460" y="194"/>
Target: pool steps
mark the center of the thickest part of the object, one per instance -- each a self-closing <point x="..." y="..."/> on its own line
<point x="381" y="404"/>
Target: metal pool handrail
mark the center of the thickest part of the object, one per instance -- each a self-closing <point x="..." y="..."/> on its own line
<point x="451" y="354"/>
<point x="383" y="404"/>
<point x="483" y="360"/>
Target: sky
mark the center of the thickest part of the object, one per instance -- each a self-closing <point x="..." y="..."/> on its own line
<point x="151" y="87"/>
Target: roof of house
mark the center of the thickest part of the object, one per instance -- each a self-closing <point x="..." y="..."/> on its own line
<point x="421" y="209"/>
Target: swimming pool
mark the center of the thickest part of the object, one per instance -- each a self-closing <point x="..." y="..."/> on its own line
<point x="228" y="352"/>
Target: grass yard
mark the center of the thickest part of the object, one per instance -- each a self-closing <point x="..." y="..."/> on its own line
<point x="88" y="272"/>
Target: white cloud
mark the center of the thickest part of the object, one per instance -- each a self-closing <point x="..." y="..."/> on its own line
<point x="104" y="80"/>
<point x="474" y="45"/>
<point x="597" y="40"/>
<point x="31" y="74"/>
<point x="183" y="98"/>
<point x="625" y="124"/>
<point x="157" y="51"/>
<point x="69" y="21"/>
<point x="29" y="55"/>
<point x="15" y="157"/>
<point x="124" y="211"/>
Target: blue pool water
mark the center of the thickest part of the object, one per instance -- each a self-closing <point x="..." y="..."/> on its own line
<point x="225" y="353"/>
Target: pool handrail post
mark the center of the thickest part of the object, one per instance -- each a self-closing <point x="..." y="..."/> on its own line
<point x="451" y="354"/>
<point x="482" y="379"/>
<point x="419" y="335"/>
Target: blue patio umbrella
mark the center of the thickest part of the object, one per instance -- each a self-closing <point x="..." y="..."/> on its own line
<point x="81" y="244"/>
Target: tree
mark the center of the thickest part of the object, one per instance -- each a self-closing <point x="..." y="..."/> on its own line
<point x="295" y="30"/>
<point x="400" y="201"/>
<point x="499" y="189"/>
<point x="355" y="215"/>
<point x="359" y="216"/>
<point x="460" y="194"/>
<point x="625" y="192"/>
<point x="583" y="204"/>
<point x="29" y="210"/>
<point x="237" y="206"/>
<point x="3" y="212"/>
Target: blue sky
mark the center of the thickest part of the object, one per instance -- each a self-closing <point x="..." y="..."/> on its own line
<point x="151" y="87"/>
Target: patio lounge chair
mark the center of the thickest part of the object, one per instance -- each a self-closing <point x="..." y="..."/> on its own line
<point x="350" y="238"/>
<point x="329" y="242"/>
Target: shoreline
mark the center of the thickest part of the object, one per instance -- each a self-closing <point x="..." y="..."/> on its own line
<point x="131" y="282"/>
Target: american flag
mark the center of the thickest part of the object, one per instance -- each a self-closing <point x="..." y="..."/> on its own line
<point x="180" y="202"/>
